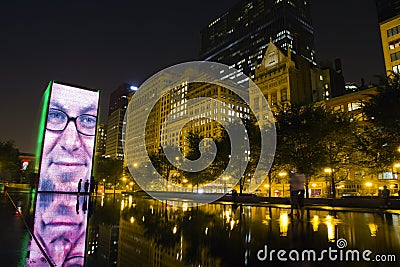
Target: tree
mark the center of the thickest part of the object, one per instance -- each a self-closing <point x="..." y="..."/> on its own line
<point x="314" y="137"/>
<point x="211" y="172"/>
<point x="299" y="138"/>
<point x="340" y="146"/>
<point x="106" y="168"/>
<point x="10" y="163"/>
<point x="380" y="138"/>
<point x="161" y="163"/>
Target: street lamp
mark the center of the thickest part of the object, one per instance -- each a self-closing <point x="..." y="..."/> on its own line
<point x="282" y="174"/>
<point x="369" y="187"/>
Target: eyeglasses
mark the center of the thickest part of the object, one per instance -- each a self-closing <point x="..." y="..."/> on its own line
<point x="58" y="120"/>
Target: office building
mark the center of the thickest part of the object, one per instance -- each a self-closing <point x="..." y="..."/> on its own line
<point x="388" y="12"/>
<point x="387" y="9"/>
<point x="101" y="140"/>
<point x="240" y="36"/>
<point x="117" y="108"/>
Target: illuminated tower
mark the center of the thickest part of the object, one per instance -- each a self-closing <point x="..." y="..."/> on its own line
<point x="240" y="36"/>
<point x="116" y="112"/>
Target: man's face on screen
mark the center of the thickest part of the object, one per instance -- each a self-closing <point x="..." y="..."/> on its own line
<point x="69" y="138"/>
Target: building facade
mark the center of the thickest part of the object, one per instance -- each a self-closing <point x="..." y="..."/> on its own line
<point x="240" y="36"/>
<point x="117" y="108"/>
<point x="390" y="36"/>
<point x="101" y="140"/>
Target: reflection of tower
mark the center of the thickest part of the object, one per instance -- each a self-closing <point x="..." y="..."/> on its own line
<point x="134" y="248"/>
<point x="93" y="240"/>
<point x="108" y="243"/>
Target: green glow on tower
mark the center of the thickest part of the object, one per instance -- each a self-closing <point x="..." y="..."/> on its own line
<point x="42" y="125"/>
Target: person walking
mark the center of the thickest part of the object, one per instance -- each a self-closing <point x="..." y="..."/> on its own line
<point x="386" y="196"/>
<point x="297" y="182"/>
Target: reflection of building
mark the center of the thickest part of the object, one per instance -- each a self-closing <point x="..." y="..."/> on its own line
<point x="108" y="243"/>
<point x="116" y="113"/>
<point x="139" y="229"/>
<point x="93" y="240"/>
<point x="241" y="35"/>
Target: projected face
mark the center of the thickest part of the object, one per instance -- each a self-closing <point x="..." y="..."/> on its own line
<point x="69" y="138"/>
<point x="60" y="230"/>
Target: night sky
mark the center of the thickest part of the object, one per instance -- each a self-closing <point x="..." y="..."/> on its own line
<point x="101" y="44"/>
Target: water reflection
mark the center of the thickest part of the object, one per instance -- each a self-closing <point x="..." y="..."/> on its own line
<point x="153" y="233"/>
<point x="59" y="230"/>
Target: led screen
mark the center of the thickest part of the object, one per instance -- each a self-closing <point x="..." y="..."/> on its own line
<point x="69" y="139"/>
<point x="59" y="229"/>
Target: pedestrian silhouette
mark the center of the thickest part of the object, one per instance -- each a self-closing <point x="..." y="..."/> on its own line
<point x="79" y="185"/>
<point x="85" y="205"/>
<point x="77" y="205"/>
<point x="386" y="196"/>
<point x="87" y="185"/>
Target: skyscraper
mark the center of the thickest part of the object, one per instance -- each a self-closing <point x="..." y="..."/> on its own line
<point x="389" y="23"/>
<point x="240" y="36"/>
<point x="387" y="9"/>
<point x="116" y="112"/>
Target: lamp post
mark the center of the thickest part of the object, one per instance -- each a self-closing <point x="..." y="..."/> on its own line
<point x="282" y="175"/>
<point x="332" y="181"/>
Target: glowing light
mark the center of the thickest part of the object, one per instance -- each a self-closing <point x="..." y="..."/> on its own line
<point x="315" y="223"/>
<point x="368" y="184"/>
<point x="373" y="228"/>
<point x="266" y="186"/>
<point x="232" y="224"/>
<point x="314" y="185"/>
<point x="283" y="224"/>
<point x="206" y="231"/>
<point x="282" y="174"/>
<point x="132" y="219"/>
<point x="331" y="223"/>
<point x="328" y="170"/>
<point x="133" y="88"/>
<point x="175" y="229"/>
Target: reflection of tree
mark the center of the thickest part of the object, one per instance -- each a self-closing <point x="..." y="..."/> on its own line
<point x="208" y="239"/>
<point x="157" y="227"/>
<point x="108" y="213"/>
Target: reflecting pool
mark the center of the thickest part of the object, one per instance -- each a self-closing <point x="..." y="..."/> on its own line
<point x="134" y="231"/>
<point x="146" y="232"/>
